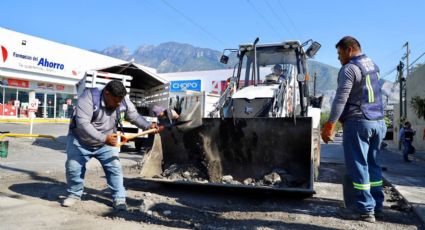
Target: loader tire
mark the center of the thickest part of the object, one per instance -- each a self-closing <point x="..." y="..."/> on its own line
<point x="138" y="145"/>
<point x="316" y="152"/>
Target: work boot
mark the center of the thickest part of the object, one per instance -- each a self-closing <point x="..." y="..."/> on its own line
<point x="349" y="214"/>
<point x="70" y="201"/>
<point x="119" y="205"/>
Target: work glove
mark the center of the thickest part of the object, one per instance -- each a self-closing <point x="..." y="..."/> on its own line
<point x="328" y="131"/>
<point x="124" y="139"/>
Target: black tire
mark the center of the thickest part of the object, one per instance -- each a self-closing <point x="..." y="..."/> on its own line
<point x="138" y="144"/>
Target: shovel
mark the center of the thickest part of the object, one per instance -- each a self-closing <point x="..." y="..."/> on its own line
<point x="152" y="160"/>
<point x="130" y="137"/>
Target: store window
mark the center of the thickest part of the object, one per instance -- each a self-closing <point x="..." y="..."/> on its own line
<point x="65" y="105"/>
<point x="8" y="108"/>
<point x="9" y="96"/>
<point x="50" y="105"/>
<point x="23" y="97"/>
<point x="1" y="100"/>
<point x="40" y="111"/>
<point x="1" y="95"/>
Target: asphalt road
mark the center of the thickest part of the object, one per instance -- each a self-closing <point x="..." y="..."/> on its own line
<point x="33" y="184"/>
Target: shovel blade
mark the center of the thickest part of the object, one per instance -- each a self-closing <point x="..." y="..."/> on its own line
<point x="152" y="160"/>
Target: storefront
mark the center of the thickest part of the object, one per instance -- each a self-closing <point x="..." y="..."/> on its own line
<point x="35" y="71"/>
<point x="54" y="100"/>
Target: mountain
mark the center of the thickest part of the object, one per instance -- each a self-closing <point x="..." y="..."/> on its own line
<point x="169" y="57"/>
<point x="179" y="57"/>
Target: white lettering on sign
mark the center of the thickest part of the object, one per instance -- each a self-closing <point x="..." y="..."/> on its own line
<point x="53" y="65"/>
<point x="185" y="85"/>
<point x="177" y="86"/>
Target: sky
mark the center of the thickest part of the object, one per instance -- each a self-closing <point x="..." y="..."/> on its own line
<point x="382" y="27"/>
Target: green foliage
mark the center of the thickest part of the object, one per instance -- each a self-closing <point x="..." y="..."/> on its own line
<point x="418" y="105"/>
<point x="324" y="117"/>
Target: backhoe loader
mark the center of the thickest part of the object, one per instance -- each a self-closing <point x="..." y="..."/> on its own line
<point x="263" y="133"/>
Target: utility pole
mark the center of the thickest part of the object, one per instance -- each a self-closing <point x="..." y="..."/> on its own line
<point x="400" y="81"/>
<point x="314" y="84"/>
<point x="407" y="55"/>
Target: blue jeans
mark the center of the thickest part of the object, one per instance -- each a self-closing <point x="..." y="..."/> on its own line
<point x="77" y="157"/>
<point x="407" y="148"/>
<point x="362" y="140"/>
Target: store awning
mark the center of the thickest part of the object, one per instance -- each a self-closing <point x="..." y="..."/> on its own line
<point x="143" y="78"/>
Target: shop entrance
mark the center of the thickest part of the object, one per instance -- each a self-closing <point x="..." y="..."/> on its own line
<point x="46" y="106"/>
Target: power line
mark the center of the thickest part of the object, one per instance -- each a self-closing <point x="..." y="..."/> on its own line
<point x="404" y="69"/>
<point x="417" y="59"/>
<point x="389" y="72"/>
<point x="194" y="23"/>
<point x="264" y="18"/>
<point x="290" y="20"/>
<point x="277" y="16"/>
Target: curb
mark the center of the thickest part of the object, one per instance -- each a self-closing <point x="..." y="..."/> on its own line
<point x="414" y="207"/>
<point x="36" y="120"/>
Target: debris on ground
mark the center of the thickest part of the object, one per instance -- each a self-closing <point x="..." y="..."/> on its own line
<point x="183" y="172"/>
<point x="278" y="178"/>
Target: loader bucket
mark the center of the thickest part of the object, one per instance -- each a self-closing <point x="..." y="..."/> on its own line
<point x="241" y="152"/>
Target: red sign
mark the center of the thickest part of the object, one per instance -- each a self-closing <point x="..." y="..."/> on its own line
<point x="9" y="110"/>
<point x="218" y="87"/>
<point x="4" y="53"/>
<point x="18" y="83"/>
<point x="60" y="87"/>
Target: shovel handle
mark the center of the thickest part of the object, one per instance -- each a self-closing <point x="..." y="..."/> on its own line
<point x="131" y="137"/>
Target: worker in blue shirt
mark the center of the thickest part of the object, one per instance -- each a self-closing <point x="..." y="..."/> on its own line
<point x="358" y="106"/>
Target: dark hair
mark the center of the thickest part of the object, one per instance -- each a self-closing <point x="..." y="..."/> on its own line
<point x="116" y="88"/>
<point x="348" y="41"/>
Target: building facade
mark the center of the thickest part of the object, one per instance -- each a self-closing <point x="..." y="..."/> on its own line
<point x="414" y="86"/>
<point x="40" y="75"/>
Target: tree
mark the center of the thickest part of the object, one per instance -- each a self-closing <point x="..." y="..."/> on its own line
<point x="418" y="105"/>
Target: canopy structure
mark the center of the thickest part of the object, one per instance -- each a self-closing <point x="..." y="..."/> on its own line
<point x="143" y="77"/>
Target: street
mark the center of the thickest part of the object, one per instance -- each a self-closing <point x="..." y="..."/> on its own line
<point x="33" y="185"/>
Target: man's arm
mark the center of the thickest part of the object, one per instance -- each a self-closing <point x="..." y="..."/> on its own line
<point x="346" y="79"/>
<point x="83" y="117"/>
<point x="134" y="117"/>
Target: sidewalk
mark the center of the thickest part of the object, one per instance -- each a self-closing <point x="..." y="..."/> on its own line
<point x="407" y="178"/>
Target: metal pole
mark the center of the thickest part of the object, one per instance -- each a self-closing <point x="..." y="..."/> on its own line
<point x="400" y="81"/>
<point x="314" y="81"/>
<point x="407" y="75"/>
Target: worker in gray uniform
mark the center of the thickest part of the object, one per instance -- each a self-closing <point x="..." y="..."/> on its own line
<point x="92" y="133"/>
<point x="358" y="106"/>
